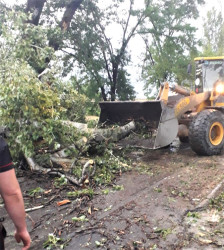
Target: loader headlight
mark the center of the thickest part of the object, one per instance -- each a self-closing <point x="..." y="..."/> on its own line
<point x="220" y="88"/>
<point x="197" y="81"/>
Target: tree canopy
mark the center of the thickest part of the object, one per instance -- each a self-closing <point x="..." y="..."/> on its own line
<point x="79" y="33"/>
<point x="33" y="105"/>
<point x="170" y="40"/>
<point x="213" y="42"/>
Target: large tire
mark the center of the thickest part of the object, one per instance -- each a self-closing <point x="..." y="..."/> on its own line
<point x="206" y="132"/>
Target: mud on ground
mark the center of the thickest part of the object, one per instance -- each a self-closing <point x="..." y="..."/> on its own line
<point x="155" y="205"/>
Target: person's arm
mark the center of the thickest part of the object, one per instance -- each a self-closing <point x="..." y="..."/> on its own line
<point x="13" y="199"/>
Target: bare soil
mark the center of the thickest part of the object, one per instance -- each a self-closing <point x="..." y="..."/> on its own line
<point x="154" y="207"/>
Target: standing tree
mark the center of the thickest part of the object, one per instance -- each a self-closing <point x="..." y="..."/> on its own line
<point x="93" y="46"/>
<point x="84" y="34"/>
<point x="213" y="42"/>
<point x="171" y="41"/>
<point x="95" y="37"/>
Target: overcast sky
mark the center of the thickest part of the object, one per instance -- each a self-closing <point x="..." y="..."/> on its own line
<point x="137" y="45"/>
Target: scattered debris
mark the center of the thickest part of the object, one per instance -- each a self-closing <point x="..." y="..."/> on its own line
<point x="64" y="202"/>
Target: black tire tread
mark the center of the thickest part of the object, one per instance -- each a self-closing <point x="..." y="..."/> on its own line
<point x="198" y="132"/>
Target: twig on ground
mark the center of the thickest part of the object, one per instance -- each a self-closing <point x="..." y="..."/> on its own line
<point x="33" y="222"/>
<point x="33" y="208"/>
<point x="54" y="171"/>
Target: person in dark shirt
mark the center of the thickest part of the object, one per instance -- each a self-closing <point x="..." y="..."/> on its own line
<point x="12" y="196"/>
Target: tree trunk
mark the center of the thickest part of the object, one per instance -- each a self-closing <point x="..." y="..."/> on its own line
<point x="114" y="83"/>
<point x="108" y="134"/>
<point x="113" y="94"/>
<point x="60" y="172"/>
<point x="69" y="13"/>
<point x="62" y="165"/>
<point x="35" y="7"/>
<point x="103" y="94"/>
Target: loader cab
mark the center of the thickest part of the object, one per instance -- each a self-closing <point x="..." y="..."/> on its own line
<point x="208" y="70"/>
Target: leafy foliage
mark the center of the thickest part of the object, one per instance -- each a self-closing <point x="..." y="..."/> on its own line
<point x="100" y="61"/>
<point x="79" y="193"/>
<point x="173" y="42"/>
<point x="217" y="202"/>
<point x="55" y="242"/>
<point x="82" y="218"/>
<point x="60" y="181"/>
<point x="108" y="166"/>
<point x="29" y="42"/>
<point x="74" y="104"/>
<point x="35" y="191"/>
<point x="33" y="109"/>
<point x="213" y="34"/>
<point x="102" y="65"/>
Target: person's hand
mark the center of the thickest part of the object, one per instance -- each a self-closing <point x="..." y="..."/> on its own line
<point x="24" y="237"/>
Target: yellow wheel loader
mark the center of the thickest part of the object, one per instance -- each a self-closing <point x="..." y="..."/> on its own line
<point x="196" y="116"/>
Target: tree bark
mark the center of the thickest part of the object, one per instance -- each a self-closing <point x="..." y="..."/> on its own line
<point x="87" y="171"/>
<point x="35" y="7"/>
<point x="103" y="94"/>
<point x="108" y="134"/>
<point x="62" y="165"/>
<point x="69" y="13"/>
<point x="66" y="20"/>
<point x="114" y="82"/>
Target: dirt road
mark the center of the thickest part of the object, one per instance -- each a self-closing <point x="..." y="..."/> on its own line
<point x="155" y="205"/>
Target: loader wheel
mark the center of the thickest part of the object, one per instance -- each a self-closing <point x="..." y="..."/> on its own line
<point x="206" y="132"/>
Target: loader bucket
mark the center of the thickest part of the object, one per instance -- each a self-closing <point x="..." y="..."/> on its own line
<point x="159" y="118"/>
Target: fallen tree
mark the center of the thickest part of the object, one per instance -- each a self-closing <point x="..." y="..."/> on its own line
<point x="61" y="164"/>
<point x="33" y="111"/>
<point x="60" y="172"/>
<point x="109" y="134"/>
